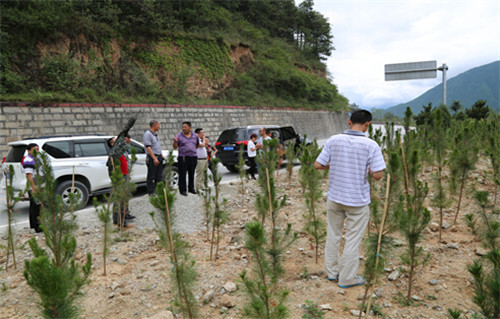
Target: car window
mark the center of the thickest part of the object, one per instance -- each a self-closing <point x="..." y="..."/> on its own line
<point x="59" y="149"/>
<point x="228" y="136"/>
<point x="15" y="154"/>
<point x="288" y="133"/>
<point x="139" y="149"/>
<point x="88" y="149"/>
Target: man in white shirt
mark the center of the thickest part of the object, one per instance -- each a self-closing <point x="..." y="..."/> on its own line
<point x="252" y="153"/>
<point x="350" y="157"/>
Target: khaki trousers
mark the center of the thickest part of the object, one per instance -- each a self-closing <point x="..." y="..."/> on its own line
<point x="356" y="220"/>
<point x="200" y="169"/>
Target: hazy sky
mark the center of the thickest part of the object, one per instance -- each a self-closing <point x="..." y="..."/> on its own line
<point x="368" y="34"/>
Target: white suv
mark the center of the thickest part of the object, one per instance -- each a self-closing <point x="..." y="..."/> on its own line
<point x="86" y="155"/>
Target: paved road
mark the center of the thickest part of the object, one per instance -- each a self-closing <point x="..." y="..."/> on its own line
<point x="21" y="214"/>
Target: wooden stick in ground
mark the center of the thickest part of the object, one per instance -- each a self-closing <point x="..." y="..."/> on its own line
<point x="380" y="239"/>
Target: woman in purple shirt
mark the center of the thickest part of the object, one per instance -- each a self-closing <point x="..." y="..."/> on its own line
<point x="187" y="142"/>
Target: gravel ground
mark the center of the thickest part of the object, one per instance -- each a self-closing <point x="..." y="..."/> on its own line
<point x="189" y="211"/>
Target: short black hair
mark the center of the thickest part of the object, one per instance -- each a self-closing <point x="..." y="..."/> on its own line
<point x="198" y="130"/>
<point x="361" y="117"/>
<point x="187" y="123"/>
<point x="30" y="146"/>
<point x="268" y="131"/>
<point x="152" y="122"/>
<point x="109" y="142"/>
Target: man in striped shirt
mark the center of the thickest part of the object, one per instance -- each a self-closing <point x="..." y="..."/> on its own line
<point x="350" y="157"/>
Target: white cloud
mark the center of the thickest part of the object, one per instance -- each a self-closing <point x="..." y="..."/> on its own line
<point x="368" y="34"/>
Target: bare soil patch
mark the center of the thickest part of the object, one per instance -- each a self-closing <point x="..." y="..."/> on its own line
<point x="138" y="281"/>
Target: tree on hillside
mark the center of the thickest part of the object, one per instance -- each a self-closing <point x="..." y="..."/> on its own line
<point x="313" y="32"/>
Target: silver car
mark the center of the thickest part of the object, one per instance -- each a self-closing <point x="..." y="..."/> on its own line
<point x="84" y="156"/>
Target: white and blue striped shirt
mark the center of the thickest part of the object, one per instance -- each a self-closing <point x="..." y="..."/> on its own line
<point x="350" y="155"/>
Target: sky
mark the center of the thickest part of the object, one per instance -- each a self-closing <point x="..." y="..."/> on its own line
<point x="369" y="34"/>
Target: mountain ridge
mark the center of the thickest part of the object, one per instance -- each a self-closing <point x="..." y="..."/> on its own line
<point x="482" y="82"/>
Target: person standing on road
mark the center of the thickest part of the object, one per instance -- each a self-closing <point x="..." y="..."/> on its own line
<point x="122" y="215"/>
<point x="202" y="155"/>
<point x="350" y="157"/>
<point x="154" y="158"/>
<point x="29" y="167"/>
<point x="211" y="151"/>
<point x="187" y="142"/>
<point x="252" y="153"/>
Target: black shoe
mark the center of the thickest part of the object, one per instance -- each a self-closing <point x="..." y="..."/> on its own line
<point x="184" y="194"/>
<point x="192" y="191"/>
<point x="128" y="216"/>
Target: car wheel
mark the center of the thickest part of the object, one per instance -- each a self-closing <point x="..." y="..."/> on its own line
<point x="174" y="177"/>
<point x="232" y="168"/>
<point x="81" y="194"/>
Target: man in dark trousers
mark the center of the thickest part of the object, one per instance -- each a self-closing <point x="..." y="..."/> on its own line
<point x="187" y="142"/>
<point x="154" y="157"/>
<point x="29" y="164"/>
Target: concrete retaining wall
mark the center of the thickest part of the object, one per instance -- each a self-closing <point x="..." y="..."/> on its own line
<point x="22" y="120"/>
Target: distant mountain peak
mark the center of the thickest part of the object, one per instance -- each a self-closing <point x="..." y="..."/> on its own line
<point x="482" y="82"/>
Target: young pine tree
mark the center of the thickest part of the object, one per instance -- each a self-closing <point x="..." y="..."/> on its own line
<point x="104" y="212"/>
<point x="462" y="159"/>
<point x="491" y="129"/>
<point x="290" y="158"/>
<point x="266" y="202"/>
<point x="314" y="226"/>
<point x="242" y="171"/>
<point x="439" y="146"/>
<point x="53" y="272"/>
<point x="11" y="199"/>
<point x="220" y="216"/>
<point x="183" y="273"/>
<point x="412" y="222"/>
<point x="265" y="298"/>
<point x="486" y="270"/>
<point x="207" y="202"/>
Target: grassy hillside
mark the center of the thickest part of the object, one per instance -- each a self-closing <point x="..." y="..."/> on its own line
<point x="258" y="52"/>
<point x="478" y="83"/>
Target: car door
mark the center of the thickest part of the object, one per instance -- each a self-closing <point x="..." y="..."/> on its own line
<point x="139" y="168"/>
<point x="288" y="134"/>
<point x="90" y="158"/>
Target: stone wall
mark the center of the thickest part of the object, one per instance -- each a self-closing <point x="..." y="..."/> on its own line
<point x="22" y="120"/>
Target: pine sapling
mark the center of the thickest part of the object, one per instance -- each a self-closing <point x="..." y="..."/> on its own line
<point x="220" y="216"/>
<point x="462" y="159"/>
<point x="486" y="270"/>
<point x="314" y="226"/>
<point x="439" y="147"/>
<point x="104" y="214"/>
<point x="207" y="203"/>
<point x="266" y="300"/>
<point x="412" y="222"/>
<point x="56" y="277"/>
<point x="266" y="203"/>
<point x="10" y="202"/>
<point x="183" y="273"/>
<point x="290" y="158"/>
<point x="242" y="172"/>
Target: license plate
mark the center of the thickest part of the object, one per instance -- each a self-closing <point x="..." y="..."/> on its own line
<point x="228" y="148"/>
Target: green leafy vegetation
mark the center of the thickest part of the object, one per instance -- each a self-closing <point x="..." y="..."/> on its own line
<point x="164" y="51"/>
<point x="55" y="276"/>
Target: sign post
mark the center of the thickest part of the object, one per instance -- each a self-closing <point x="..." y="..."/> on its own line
<point x="415" y="71"/>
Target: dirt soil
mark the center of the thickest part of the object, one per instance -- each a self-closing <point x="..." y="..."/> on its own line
<point x="137" y="284"/>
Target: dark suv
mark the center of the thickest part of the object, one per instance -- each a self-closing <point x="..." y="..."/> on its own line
<point x="229" y="142"/>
